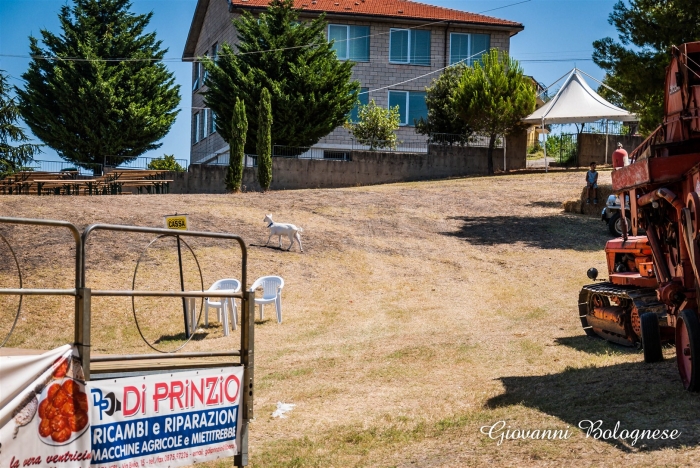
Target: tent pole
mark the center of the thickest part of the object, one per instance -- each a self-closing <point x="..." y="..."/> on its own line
<point x="606" y="141"/>
<point x="544" y="139"/>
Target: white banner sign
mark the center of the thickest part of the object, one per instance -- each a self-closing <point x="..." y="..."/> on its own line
<point x="44" y="418"/>
<point x="50" y="417"/>
<point x="165" y="420"/>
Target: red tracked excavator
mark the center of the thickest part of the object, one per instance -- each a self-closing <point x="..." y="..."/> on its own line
<point x="651" y="295"/>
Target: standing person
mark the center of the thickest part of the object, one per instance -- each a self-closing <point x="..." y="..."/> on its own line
<point x="592" y="185"/>
<point x="619" y="157"/>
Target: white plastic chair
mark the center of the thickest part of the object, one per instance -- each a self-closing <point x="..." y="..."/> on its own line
<point x="272" y="292"/>
<point x="224" y="306"/>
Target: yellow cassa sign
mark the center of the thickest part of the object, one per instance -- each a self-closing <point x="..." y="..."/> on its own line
<point x="178" y="222"/>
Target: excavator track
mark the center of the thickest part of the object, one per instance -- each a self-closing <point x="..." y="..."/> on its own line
<point x="625" y="330"/>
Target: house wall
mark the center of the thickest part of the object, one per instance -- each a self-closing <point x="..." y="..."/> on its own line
<point x="364" y="168"/>
<point x="377" y="73"/>
<point x="591" y="147"/>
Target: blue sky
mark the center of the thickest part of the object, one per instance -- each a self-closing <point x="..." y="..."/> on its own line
<point x="558" y="35"/>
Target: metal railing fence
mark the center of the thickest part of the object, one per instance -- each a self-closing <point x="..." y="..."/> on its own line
<point x="474" y="141"/>
<point x="306" y="152"/>
<point x="86" y="169"/>
<point x="610" y="127"/>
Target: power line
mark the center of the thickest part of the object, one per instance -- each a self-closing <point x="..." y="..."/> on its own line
<point x="127" y="59"/>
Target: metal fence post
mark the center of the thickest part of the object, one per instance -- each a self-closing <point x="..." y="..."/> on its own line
<point x="247" y="360"/>
<point x="82" y="328"/>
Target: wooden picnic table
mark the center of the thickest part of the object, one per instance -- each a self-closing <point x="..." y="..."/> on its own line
<point x="68" y="184"/>
<point x="24" y="181"/>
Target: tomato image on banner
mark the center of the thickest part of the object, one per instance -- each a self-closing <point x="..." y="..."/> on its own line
<point x="44" y="415"/>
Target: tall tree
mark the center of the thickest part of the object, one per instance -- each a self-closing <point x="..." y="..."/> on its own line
<point x="442" y="116"/>
<point x="493" y="98"/>
<point x="264" y="146"/>
<point x="239" y="130"/>
<point x="12" y="156"/>
<point x="311" y="90"/>
<point x="97" y="92"/>
<point x="636" y="64"/>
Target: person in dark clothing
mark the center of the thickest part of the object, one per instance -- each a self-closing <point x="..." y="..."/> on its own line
<point x="592" y="184"/>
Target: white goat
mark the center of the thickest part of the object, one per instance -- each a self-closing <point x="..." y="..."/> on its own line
<point x="283" y="229"/>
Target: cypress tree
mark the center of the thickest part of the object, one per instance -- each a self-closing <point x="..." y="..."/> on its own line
<point x="264" y="140"/>
<point x="311" y="91"/>
<point x="239" y="129"/>
<point x="97" y="92"/>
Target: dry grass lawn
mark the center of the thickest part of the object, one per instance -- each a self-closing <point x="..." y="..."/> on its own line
<point x="417" y="314"/>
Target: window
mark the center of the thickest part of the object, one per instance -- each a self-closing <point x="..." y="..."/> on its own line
<point x="411" y="105"/>
<point x="215" y="51"/>
<point x="195" y="128"/>
<point x="197" y="71"/>
<point x="205" y="127"/>
<point x="206" y="73"/>
<point x="468" y="47"/>
<point x="363" y="101"/>
<point x="351" y="42"/>
<point x="212" y="122"/>
<point x="409" y="46"/>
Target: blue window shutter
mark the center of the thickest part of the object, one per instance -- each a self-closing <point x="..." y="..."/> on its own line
<point x="481" y="43"/>
<point x="195" y="83"/>
<point x="398" y="98"/>
<point x="420" y="47"/>
<point x="399" y="45"/>
<point x="359" y="43"/>
<point x="417" y="107"/>
<point x="195" y="128"/>
<point x="363" y="101"/>
<point x="339" y="34"/>
<point x="459" y="48"/>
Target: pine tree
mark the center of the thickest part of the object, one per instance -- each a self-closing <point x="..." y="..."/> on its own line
<point x="636" y="65"/>
<point x="239" y="129"/>
<point x="493" y="98"/>
<point x="264" y="147"/>
<point x="12" y="158"/>
<point x="442" y="116"/>
<point x="311" y="90"/>
<point x="97" y="92"/>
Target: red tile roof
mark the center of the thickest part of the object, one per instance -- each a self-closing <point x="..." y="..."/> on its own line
<point x="387" y="8"/>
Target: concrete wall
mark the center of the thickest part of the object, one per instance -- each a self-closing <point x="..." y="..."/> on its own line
<point x="591" y="147"/>
<point x="364" y="168"/>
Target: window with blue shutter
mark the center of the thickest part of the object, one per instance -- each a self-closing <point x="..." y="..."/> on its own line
<point x="468" y="48"/>
<point x="195" y="128"/>
<point x="363" y="100"/>
<point x="420" y="47"/>
<point x="195" y="81"/>
<point x="481" y="43"/>
<point x="416" y="107"/>
<point x="398" y="99"/>
<point x="411" y="106"/>
<point x="350" y="42"/>
<point x="410" y="46"/>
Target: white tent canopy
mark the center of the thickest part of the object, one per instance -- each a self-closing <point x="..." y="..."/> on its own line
<point x="576" y="102"/>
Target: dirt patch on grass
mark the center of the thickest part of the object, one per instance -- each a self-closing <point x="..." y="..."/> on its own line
<point x="417" y="314"/>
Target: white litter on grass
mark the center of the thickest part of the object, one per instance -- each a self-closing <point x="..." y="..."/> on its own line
<point x="282" y="408"/>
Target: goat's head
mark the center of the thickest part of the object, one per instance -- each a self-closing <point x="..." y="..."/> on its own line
<point x="268" y="218"/>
